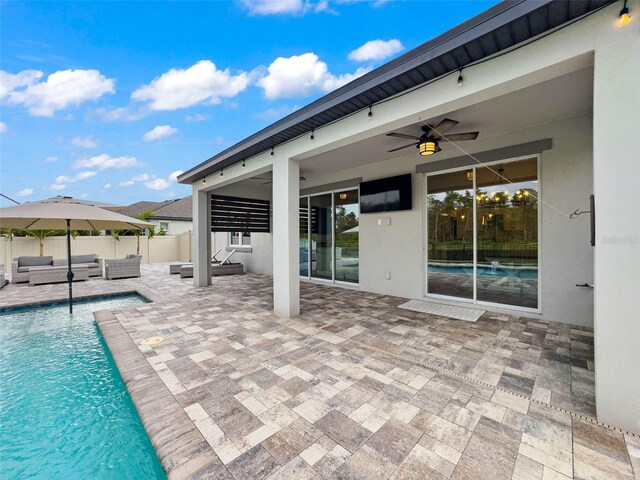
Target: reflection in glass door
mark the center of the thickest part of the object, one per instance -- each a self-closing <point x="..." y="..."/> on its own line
<point x="347" y="234"/>
<point x="321" y="237"/>
<point x="490" y="255"/>
<point x="507" y="238"/>
<point x="450" y="237"/>
<point x="304" y="236"/>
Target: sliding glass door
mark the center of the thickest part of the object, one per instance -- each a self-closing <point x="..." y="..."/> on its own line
<point x="450" y="234"/>
<point x="329" y="236"/>
<point x="321" y="237"/>
<point x="507" y="238"/>
<point x="347" y="252"/>
<point x="482" y="234"/>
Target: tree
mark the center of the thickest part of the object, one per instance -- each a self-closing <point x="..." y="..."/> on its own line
<point x="150" y="232"/>
<point x="9" y="233"/>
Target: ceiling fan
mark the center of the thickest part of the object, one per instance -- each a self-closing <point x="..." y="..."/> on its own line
<point x="428" y="142"/>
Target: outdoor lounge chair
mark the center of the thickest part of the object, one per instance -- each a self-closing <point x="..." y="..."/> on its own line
<point x="122" y="267"/>
<point x="174" y="268"/>
<point x="225" y="267"/>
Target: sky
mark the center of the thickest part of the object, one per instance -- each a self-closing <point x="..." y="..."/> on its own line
<point x="111" y="101"/>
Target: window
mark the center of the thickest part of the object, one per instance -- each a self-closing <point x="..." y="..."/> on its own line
<point x="164" y="226"/>
<point x="239" y="239"/>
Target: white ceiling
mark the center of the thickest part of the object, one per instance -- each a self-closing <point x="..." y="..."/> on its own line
<point x="561" y="97"/>
<point x="555" y="99"/>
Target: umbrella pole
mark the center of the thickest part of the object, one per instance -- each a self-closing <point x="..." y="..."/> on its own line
<point x="69" y="272"/>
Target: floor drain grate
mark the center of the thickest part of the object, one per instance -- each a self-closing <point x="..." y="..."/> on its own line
<point x="152" y="341"/>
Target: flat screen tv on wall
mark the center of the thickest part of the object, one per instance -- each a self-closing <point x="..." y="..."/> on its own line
<point x="386" y="194"/>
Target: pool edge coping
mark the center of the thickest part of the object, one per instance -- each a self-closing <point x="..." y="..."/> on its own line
<point x="175" y="438"/>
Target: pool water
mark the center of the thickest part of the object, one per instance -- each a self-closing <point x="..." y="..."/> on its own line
<point x="529" y="273"/>
<point x="64" y="410"/>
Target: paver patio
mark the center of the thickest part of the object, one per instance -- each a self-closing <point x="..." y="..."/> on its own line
<point x="353" y="388"/>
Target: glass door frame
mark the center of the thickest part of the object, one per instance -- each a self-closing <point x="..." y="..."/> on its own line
<point x="333" y="280"/>
<point x="474" y="300"/>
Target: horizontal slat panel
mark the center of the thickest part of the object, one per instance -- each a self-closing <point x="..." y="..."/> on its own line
<point x="235" y="214"/>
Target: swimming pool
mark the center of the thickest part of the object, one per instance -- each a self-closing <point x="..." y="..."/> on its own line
<point x="64" y="409"/>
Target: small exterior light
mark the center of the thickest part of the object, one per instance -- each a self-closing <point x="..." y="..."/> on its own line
<point x="460" y="79"/>
<point x="624" y="16"/>
<point x="428" y="147"/>
<point x="343" y="196"/>
<point x="470" y="176"/>
<point x="242" y="163"/>
<point x="221" y="173"/>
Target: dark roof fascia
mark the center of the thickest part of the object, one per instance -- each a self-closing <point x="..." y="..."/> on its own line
<point x="468" y="31"/>
<point x="161" y="217"/>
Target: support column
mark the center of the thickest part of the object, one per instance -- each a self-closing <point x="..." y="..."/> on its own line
<point x="201" y="239"/>
<point x="616" y="180"/>
<point x="286" y="253"/>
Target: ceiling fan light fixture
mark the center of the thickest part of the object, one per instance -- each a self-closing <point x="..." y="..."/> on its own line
<point x="428" y="147"/>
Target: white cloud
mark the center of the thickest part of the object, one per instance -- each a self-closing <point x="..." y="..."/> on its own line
<point x="104" y="161"/>
<point x="62" y="181"/>
<point x="143" y="177"/>
<point x="118" y="114"/>
<point x="3" y="127"/>
<point x="273" y="7"/>
<point x="84" y="175"/>
<point x="376" y="50"/>
<point x="197" y="117"/>
<point x="51" y="159"/>
<point x="173" y="176"/>
<point x="107" y="186"/>
<point x="25" y="192"/>
<point x="159" y="132"/>
<point x="301" y="75"/>
<point x="10" y="81"/>
<point x="276" y="113"/>
<point x="87" y="142"/>
<point x="181" y="88"/>
<point x="161" y="183"/>
<point x="287" y="7"/>
<point x="158" y="184"/>
<point x="59" y="91"/>
<point x="152" y="181"/>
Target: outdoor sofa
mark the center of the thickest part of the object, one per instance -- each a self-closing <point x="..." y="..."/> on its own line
<point x="122" y="267"/>
<point x="23" y="267"/>
<point x="224" y="267"/>
<point x="174" y="268"/>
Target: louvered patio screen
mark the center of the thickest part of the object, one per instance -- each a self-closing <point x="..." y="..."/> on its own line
<point x="234" y="214"/>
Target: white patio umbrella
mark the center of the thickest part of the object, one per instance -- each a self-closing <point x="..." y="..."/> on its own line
<point x="60" y="213"/>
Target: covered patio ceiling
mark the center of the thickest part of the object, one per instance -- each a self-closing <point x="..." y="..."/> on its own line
<point x="562" y="97"/>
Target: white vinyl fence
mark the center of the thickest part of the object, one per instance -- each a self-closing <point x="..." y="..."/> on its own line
<point x="168" y="248"/>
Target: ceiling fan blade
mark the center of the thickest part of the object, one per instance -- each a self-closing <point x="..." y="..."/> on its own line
<point x="267" y="183"/>
<point x="402" y="135"/>
<point x="444" y="126"/>
<point x="461" y="136"/>
<point x="401" y="148"/>
<point x="437" y="149"/>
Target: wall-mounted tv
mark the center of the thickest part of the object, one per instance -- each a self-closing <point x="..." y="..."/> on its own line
<point x="386" y="194"/>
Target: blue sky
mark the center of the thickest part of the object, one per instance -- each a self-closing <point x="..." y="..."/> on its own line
<point x="109" y="100"/>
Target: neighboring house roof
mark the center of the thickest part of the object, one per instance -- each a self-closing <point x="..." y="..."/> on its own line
<point x="138" y="208"/>
<point x="499" y="28"/>
<point x="179" y="209"/>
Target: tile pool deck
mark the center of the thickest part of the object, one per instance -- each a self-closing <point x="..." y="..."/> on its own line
<point x="353" y="388"/>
